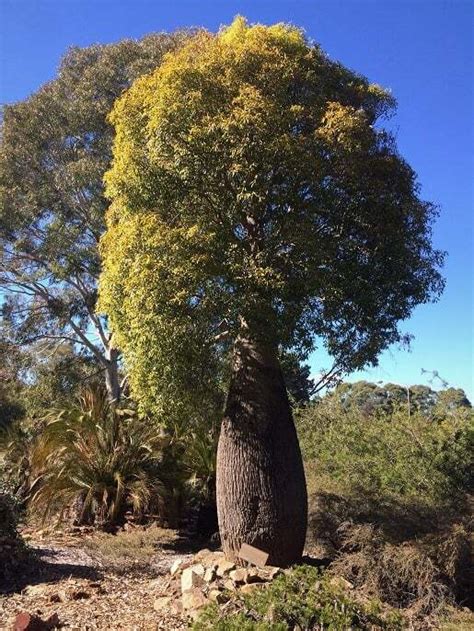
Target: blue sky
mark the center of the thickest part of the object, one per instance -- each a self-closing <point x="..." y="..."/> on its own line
<point x="421" y="50"/>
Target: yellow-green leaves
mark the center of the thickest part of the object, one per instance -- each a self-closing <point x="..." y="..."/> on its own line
<point x="249" y="180"/>
<point x="343" y="128"/>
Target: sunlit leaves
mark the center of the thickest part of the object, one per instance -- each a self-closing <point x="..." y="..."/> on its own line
<point x="251" y="180"/>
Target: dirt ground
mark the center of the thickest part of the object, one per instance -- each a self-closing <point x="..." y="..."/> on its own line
<point x="65" y="579"/>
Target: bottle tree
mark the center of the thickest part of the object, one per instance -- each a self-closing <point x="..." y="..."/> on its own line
<point x="256" y="204"/>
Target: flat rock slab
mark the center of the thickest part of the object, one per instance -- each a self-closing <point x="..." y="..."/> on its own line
<point x="253" y="555"/>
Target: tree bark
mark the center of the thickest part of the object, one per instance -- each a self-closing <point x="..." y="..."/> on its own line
<point x="112" y="380"/>
<point x="261" y="488"/>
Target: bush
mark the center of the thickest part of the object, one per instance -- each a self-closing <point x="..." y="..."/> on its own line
<point x="13" y="552"/>
<point x="389" y="501"/>
<point x="390" y="455"/>
<point x="16" y="441"/>
<point x="99" y="460"/>
<point x="304" y="598"/>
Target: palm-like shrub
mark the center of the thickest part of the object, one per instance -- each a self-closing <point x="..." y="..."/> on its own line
<point x="199" y="461"/>
<point x="99" y="460"/>
<point x="16" y="440"/>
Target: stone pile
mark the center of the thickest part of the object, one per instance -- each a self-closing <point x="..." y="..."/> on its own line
<point x="208" y="577"/>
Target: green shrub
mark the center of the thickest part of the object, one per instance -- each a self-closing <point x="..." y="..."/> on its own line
<point x="13" y="552"/>
<point x="16" y="442"/>
<point x="100" y="460"/>
<point x="304" y="598"/>
<point x="389" y="501"/>
<point x="389" y="455"/>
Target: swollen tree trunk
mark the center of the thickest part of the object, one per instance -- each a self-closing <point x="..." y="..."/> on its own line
<point x="261" y="489"/>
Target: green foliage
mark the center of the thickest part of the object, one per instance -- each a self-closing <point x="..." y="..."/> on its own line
<point x="389" y="500"/>
<point x="11" y="404"/>
<point x="298" y="382"/>
<point x="9" y="516"/>
<point x="55" y="148"/>
<point x="14" y="555"/>
<point x="54" y="380"/>
<point x="392" y="455"/>
<point x="304" y="599"/>
<point x="370" y="397"/>
<point x="33" y="379"/>
<point x="16" y="442"/>
<point x="100" y="460"/>
<point x="198" y="457"/>
<point x="249" y="187"/>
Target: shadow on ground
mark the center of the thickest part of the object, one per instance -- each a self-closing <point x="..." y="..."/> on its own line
<point x="43" y="567"/>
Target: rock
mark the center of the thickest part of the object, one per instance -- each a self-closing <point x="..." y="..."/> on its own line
<point x="162" y="603"/>
<point x="193" y="599"/>
<point x="177" y="565"/>
<point x="225" y="567"/>
<point x="210" y="559"/>
<point x="176" y="607"/>
<point x="209" y="575"/>
<point x="79" y="594"/>
<point x="239" y="576"/>
<point x="230" y="585"/>
<point x="198" y="568"/>
<point x="191" y="578"/>
<point x="25" y="621"/>
<point x="255" y="575"/>
<point x="216" y="596"/>
<point x="248" y="588"/>
<point x="202" y="554"/>
<point x="60" y="597"/>
<point x="273" y="572"/>
<point x="35" y="590"/>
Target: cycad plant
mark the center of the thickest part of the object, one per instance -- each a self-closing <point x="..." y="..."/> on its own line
<point x="16" y="441"/>
<point x="199" y="461"/>
<point x="99" y="460"/>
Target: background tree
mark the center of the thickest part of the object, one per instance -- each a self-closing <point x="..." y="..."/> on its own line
<point x="371" y="397"/>
<point x="55" y="148"/>
<point x="256" y="200"/>
<point x="298" y="381"/>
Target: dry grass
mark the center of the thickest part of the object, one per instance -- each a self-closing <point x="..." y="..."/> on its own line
<point x="405" y="554"/>
<point x="129" y="552"/>
<point x="456" y="620"/>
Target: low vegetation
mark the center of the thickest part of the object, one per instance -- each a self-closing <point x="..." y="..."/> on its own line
<point x="304" y="598"/>
<point x="389" y="498"/>
<point x="389" y="493"/>
<point x="129" y="552"/>
<point x="13" y="551"/>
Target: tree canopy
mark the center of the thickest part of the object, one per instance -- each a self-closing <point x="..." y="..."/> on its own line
<point x="371" y="397"/>
<point x="55" y="148"/>
<point x="253" y="183"/>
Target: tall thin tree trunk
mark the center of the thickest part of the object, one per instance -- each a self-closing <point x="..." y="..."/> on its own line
<point x="112" y="380"/>
<point x="261" y="489"/>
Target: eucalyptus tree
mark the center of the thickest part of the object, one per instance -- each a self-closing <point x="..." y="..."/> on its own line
<point x="256" y="204"/>
<point x="55" y="148"/>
